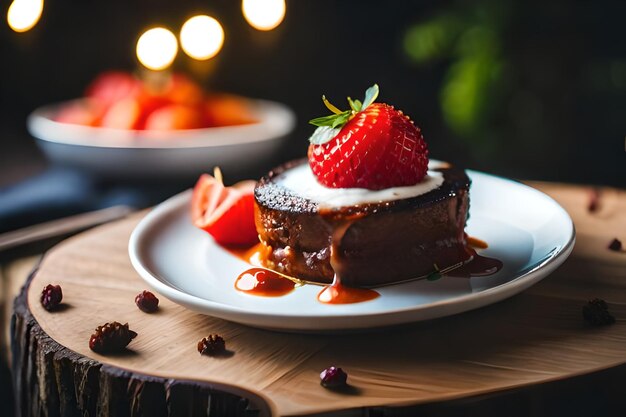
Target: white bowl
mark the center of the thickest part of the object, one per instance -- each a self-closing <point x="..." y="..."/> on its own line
<point x="139" y="153"/>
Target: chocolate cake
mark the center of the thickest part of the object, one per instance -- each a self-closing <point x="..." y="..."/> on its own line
<point x="385" y="241"/>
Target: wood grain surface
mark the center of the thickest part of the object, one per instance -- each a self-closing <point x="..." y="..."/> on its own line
<point x="534" y="337"/>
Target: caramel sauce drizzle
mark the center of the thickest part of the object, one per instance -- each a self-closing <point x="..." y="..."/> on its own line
<point x="337" y="293"/>
<point x="476" y="243"/>
<point x="264" y="282"/>
<point x="253" y="255"/>
<point x="477" y="265"/>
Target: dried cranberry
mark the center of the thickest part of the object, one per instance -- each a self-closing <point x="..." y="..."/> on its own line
<point x="111" y="337"/>
<point x="147" y="302"/>
<point x="333" y="377"/>
<point x="615" y="245"/>
<point x="594" y="200"/>
<point x="212" y="345"/>
<point x="596" y="313"/>
<point x="51" y="297"/>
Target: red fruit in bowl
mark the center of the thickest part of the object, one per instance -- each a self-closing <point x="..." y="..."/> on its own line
<point x="112" y="86"/>
<point x="174" y="116"/>
<point x="227" y="110"/>
<point x="149" y="103"/>
<point x="371" y="146"/>
<point x="86" y="113"/>
<point x="124" y="114"/>
<point x="181" y="89"/>
<point x="226" y="213"/>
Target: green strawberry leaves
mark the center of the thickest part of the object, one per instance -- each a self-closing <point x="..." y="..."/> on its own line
<point x="333" y="120"/>
<point x="355" y="105"/>
<point x="371" y="94"/>
<point x="329" y="126"/>
<point x="323" y="134"/>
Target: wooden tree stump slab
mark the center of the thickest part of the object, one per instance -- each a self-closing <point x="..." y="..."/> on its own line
<point x="532" y="338"/>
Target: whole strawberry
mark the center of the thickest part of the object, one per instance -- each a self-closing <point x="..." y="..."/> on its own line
<point x="371" y="146"/>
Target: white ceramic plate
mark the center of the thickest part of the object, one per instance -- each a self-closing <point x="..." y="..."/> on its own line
<point x="525" y="229"/>
<point x="119" y="153"/>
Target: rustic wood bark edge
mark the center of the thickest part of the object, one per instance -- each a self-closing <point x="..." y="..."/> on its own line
<point x="51" y="380"/>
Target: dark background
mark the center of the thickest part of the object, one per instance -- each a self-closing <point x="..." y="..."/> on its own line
<point x="530" y="90"/>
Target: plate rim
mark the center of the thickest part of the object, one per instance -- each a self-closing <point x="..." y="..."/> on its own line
<point x="465" y="302"/>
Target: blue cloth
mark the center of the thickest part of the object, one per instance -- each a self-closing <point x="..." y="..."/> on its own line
<point x="60" y="192"/>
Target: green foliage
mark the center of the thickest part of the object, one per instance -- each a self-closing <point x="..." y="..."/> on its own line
<point x="466" y="95"/>
<point x="431" y="40"/>
<point x="467" y="38"/>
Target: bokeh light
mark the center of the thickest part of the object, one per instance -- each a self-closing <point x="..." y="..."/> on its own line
<point x="23" y="15"/>
<point x="264" y="14"/>
<point x="157" y="48"/>
<point x="202" y="37"/>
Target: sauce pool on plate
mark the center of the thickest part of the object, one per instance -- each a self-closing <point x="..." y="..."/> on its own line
<point x="264" y="282"/>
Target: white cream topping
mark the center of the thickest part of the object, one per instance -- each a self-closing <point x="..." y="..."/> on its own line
<point x="301" y="181"/>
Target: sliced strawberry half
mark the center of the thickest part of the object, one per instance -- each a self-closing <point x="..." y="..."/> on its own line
<point x="226" y="213"/>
